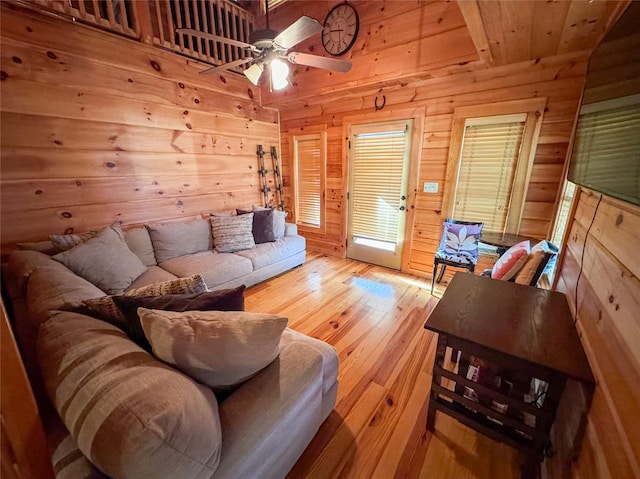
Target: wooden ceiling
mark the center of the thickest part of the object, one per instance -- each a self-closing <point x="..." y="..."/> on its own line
<point x="403" y="41"/>
<point x="506" y="32"/>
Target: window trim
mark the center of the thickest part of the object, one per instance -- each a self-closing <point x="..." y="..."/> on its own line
<point x="294" y="136"/>
<point x="534" y="110"/>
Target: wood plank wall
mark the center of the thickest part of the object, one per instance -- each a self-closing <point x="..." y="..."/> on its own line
<point x="608" y="309"/>
<point x="98" y="128"/>
<point x="600" y="274"/>
<point x="559" y="79"/>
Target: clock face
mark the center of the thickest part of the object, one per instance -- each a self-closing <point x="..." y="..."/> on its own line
<point x="340" y="29"/>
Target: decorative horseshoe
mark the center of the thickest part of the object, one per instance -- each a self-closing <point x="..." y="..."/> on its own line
<point x="380" y="107"/>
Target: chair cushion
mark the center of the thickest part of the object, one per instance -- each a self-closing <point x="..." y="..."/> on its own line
<point x="221" y="300"/>
<point x="217" y="348"/>
<point x="130" y="415"/>
<point x="511" y="261"/>
<point x="460" y="243"/>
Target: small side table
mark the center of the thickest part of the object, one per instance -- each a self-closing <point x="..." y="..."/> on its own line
<point x="504" y="241"/>
<point x="519" y="333"/>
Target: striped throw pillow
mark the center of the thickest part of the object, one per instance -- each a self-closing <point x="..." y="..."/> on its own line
<point x="232" y="233"/>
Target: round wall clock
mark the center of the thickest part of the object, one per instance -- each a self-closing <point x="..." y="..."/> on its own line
<point x="340" y="29"/>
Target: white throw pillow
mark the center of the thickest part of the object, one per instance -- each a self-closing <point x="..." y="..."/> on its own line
<point x="217" y="348"/>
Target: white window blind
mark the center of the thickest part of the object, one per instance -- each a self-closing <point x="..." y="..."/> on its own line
<point x="487" y="168"/>
<point x="377" y="158"/>
<point x="605" y="151"/>
<point x="309" y="180"/>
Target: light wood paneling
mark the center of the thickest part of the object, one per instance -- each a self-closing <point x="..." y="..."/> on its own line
<point x="558" y="79"/>
<point x="97" y="128"/>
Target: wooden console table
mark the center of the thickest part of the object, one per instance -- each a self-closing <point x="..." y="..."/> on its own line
<point x="510" y="337"/>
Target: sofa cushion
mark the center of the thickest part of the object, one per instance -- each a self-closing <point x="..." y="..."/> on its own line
<point x="232" y="233"/>
<point x="153" y="274"/>
<point x="279" y="219"/>
<point x="221" y="300"/>
<point x="328" y="353"/>
<point x="22" y="263"/>
<point x="216" y="268"/>
<point x="46" y="247"/>
<point x="131" y="415"/>
<point x="104" y="308"/>
<point x="139" y="242"/>
<point x="105" y="261"/>
<point x="68" y="241"/>
<point x="266" y="254"/>
<point x="262" y="229"/>
<point x="218" y="348"/>
<point x="53" y="288"/>
<point x="176" y="239"/>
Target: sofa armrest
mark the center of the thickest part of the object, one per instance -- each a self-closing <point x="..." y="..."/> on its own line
<point x="269" y="421"/>
<point x="290" y="229"/>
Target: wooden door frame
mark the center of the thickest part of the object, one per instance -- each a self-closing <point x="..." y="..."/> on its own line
<point x="417" y="114"/>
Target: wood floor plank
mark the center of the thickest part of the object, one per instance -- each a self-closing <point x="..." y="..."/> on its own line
<point x="374" y="317"/>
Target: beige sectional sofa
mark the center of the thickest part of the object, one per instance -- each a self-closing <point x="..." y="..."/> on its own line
<point x="121" y="412"/>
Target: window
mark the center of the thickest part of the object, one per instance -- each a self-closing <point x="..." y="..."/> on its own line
<point x="562" y="218"/>
<point x="490" y="150"/>
<point x="309" y="161"/>
<point x="490" y="162"/>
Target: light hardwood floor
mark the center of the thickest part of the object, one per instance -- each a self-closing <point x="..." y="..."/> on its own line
<point x="374" y="317"/>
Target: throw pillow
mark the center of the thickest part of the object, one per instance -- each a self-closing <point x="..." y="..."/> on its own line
<point x="105" y="260"/>
<point x="528" y="270"/>
<point x="177" y="239"/>
<point x="232" y="233"/>
<point x="279" y="220"/>
<point x="461" y="241"/>
<point x="131" y="415"/>
<point x="45" y="247"/>
<point x="511" y="261"/>
<point x="66" y="242"/>
<point x="221" y="300"/>
<point x="263" y="226"/>
<point x="217" y="348"/>
<point x="104" y="308"/>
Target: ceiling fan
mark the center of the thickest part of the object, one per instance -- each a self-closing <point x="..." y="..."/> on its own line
<point x="269" y="49"/>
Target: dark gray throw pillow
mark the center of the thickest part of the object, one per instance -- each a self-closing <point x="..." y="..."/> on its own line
<point x="263" y="227"/>
<point x="222" y="300"/>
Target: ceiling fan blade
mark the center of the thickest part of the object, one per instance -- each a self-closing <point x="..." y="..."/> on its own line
<point x="227" y="66"/>
<point x="303" y="28"/>
<point x="253" y="73"/>
<point x="319" y="62"/>
<point x="211" y="36"/>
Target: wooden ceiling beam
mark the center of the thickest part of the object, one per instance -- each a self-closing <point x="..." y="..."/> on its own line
<point x="472" y="17"/>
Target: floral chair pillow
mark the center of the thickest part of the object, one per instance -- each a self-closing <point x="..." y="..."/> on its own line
<point x="460" y="242"/>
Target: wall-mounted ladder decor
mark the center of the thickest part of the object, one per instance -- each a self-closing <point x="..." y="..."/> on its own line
<point x="271" y="178"/>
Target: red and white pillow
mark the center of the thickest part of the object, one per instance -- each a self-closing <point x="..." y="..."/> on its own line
<point x="510" y="263"/>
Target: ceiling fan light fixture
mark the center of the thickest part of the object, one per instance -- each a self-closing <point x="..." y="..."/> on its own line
<point x="254" y="72"/>
<point x="279" y="73"/>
